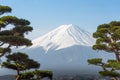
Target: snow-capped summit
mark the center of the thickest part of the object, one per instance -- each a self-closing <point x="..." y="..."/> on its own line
<point x="63" y="37"/>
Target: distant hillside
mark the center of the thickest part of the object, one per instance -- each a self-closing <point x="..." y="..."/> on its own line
<point x="81" y="77"/>
<point x="65" y="77"/>
<point x="7" y="77"/>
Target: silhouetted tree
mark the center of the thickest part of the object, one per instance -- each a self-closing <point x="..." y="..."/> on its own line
<point x="108" y="39"/>
<point x="15" y="35"/>
<point x="20" y="62"/>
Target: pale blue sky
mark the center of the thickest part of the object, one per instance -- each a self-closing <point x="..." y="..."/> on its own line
<point x="46" y="15"/>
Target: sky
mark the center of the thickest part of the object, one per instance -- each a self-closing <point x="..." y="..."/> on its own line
<point x="46" y="15"/>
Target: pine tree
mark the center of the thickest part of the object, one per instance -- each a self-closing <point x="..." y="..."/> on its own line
<point x="20" y="62"/>
<point x="108" y="39"/>
<point x="14" y="36"/>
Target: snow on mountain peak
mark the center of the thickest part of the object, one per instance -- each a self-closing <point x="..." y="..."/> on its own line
<point x="63" y="37"/>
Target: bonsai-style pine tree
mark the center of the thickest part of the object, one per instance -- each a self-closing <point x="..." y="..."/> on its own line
<point x="12" y="33"/>
<point x="22" y="64"/>
<point x="108" y="39"/>
<point x="15" y="34"/>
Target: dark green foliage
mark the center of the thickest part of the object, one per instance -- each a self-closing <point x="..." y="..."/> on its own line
<point x="32" y="64"/>
<point x="6" y="33"/>
<point x="43" y="73"/>
<point x="95" y="61"/>
<point x="107" y="35"/>
<point x="109" y="73"/>
<point x="115" y="23"/>
<point x="15" y="36"/>
<point x="10" y="66"/>
<point x="17" y="57"/>
<point x="109" y="68"/>
<point x="2" y="24"/>
<point x="114" y="65"/>
<point x="103" y="26"/>
<point x="22" y="29"/>
<point x="27" y="76"/>
<point x="22" y="22"/>
<point x="9" y="20"/>
<point x="4" y="50"/>
<point x="100" y="47"/>
<point x="15" y="40"/>
<point x="4" y="9"/>
<point x="20" y="61"/>
<point x="108" y="39"/>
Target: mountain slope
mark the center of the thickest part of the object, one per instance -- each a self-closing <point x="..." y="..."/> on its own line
<point x="63" y="37"/>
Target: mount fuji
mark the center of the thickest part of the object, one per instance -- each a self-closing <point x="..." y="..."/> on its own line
<point x="63" y="37"/>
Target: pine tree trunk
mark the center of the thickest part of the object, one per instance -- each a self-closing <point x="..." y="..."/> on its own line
<point x="115" y="51"/>
<point x="117" y="55"/>
<point x="18" y="74"/>
<point x="18" y="77"/>
<point x="114" y="78"/>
